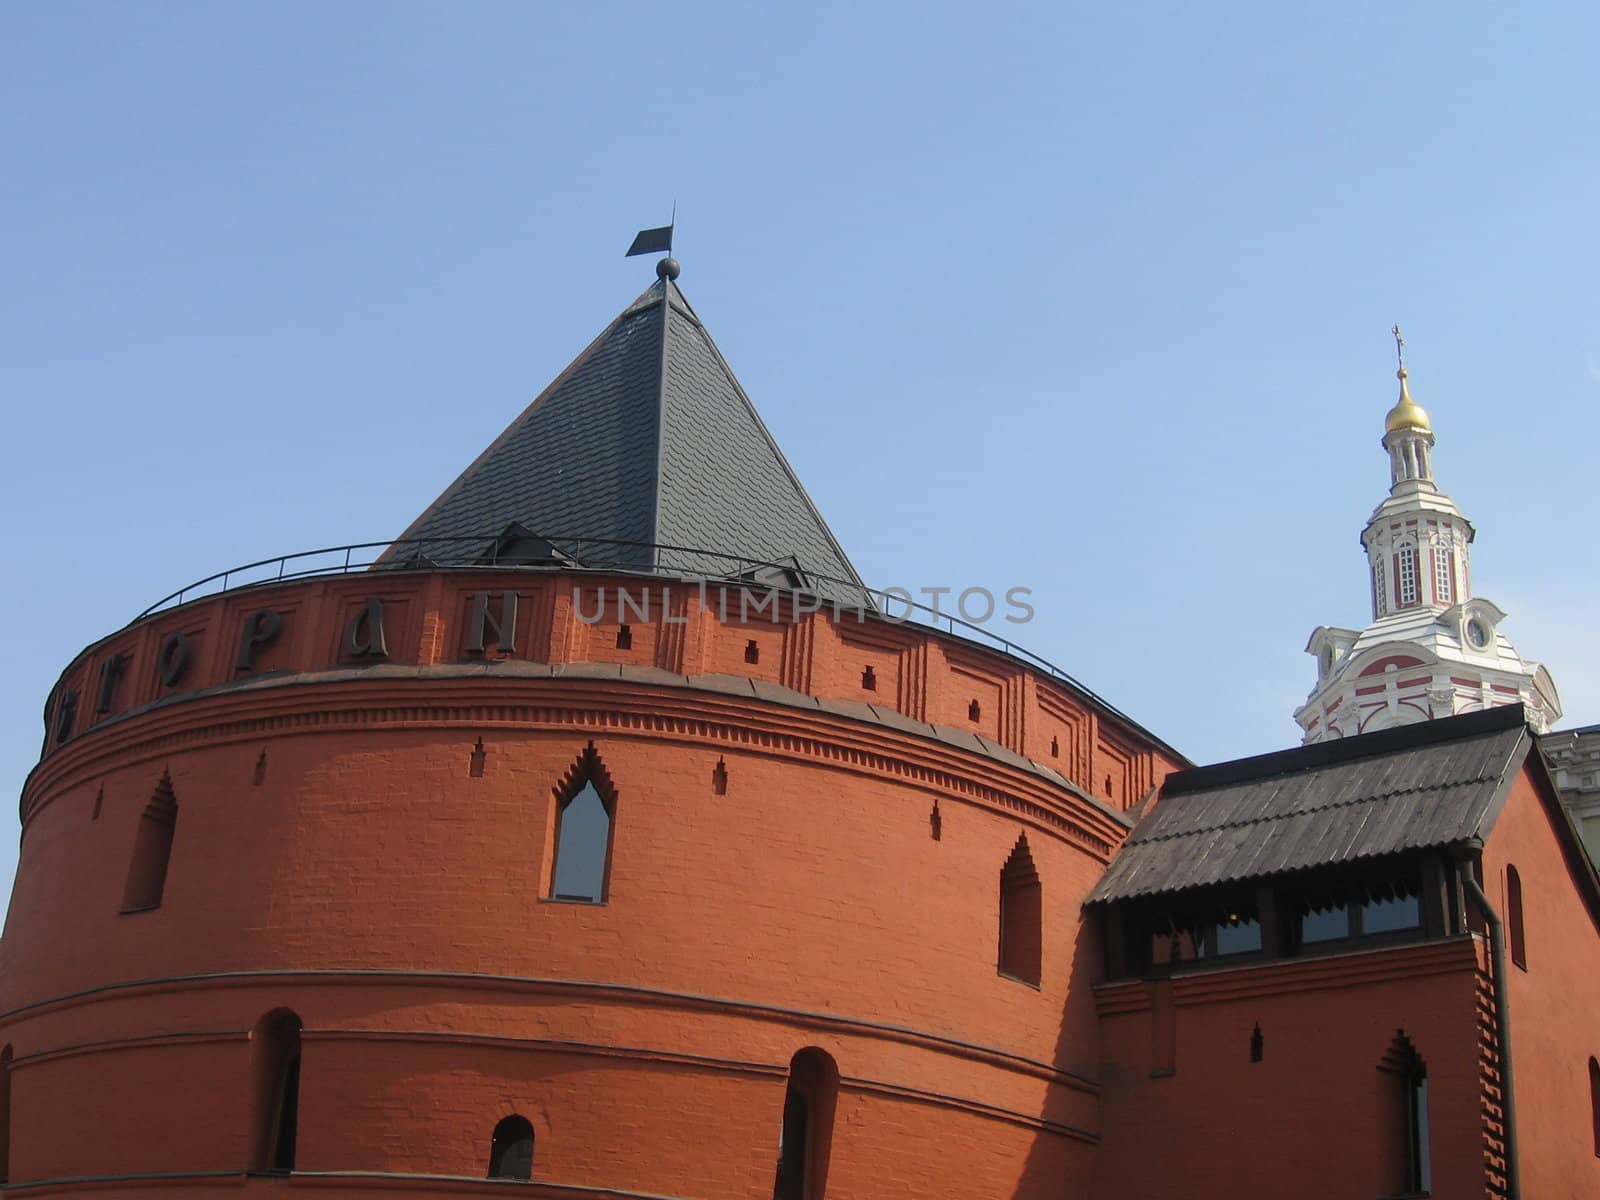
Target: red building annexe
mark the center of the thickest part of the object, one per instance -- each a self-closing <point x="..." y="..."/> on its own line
<point x="451" y="867"/>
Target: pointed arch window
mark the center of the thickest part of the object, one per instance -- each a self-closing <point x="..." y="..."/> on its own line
<point x="805" y="1137"/>
<point x="1020" y="916"/>
<point x="511" y="1149"/>
<point x="276" y="1053"/>
<point x="1515" y="933"/>
<point x="152" y="850"/>
<point x="586" y="805"/>
<point x="1403" y="1151"/>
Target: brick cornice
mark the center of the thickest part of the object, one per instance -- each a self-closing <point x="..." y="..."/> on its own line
<point x="595" y="701"/>
<point x="1308" y="974"/>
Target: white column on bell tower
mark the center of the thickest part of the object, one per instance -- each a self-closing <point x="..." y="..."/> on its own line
<point x="1417" y="541"/>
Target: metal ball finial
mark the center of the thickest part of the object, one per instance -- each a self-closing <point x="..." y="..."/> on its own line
<point x="668" y="268"/>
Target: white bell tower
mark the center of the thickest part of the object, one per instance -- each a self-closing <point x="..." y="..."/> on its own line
<point x="1431" y="649"/>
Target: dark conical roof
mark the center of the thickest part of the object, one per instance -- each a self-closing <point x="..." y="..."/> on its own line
<point x="645" y="438"/>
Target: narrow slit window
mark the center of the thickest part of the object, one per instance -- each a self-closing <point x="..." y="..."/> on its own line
<point x="276" y="1051"/>
<point x="1380" y="604"/>
<point x="805" y="1134"/>
<point x="511" y="1149"/>
<point x="1594" y="1100"/>
<point x="585" y="807"/>
<point x="792" y="1146"/>
<point x="152" y="850"/>
<point x="1515" y="934"/>
<point x="1020" y="916"/>
<point x="6" y="1056"/>
<point x="752" y="652"/>
<point x="624" y="637"/>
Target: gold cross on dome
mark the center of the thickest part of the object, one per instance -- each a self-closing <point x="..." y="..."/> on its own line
<point x="1399" y="346"/>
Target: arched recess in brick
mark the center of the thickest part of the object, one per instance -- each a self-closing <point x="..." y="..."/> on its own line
<point x="585" y="822"/>
<point x="511" y="1149"/>
<point x="152" y="850"/>
<point x="1594" y="1100"/>
<point x="1404" y="1162"/>
<point x="275" y="1071"/>
<point x="805" y="1138"/>
<point x="1021" y="914"/>
<point x="1516" y="933"/>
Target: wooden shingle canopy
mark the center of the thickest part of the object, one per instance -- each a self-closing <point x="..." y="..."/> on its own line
<point x="1433" y="784"/>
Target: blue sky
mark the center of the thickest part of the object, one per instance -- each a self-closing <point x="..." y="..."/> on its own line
<point x="1092" y="299"/>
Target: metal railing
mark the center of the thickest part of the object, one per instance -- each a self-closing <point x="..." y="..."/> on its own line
<point x="565" y="554"/>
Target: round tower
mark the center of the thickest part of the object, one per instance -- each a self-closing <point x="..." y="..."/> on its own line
<point x="602" y="834"/>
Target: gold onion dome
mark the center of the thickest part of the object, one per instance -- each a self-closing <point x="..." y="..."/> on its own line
<point x="1406" y="413"/>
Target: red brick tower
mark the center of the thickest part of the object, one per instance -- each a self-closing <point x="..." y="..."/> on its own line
<point x="602" y="833"/>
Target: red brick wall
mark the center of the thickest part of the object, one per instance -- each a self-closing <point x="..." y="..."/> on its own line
<point x="919" y="673"/>
<point x="395" y="902"/>
<point x="1555" y="1018"/>
<point x="1308" y="1119"/>
<point x="806" y="888"/>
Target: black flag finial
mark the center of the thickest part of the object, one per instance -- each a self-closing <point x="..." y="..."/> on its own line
<point x="651" y="241"/>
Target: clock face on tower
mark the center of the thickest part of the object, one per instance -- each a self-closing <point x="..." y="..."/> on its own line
<point x="1477" y="634"/>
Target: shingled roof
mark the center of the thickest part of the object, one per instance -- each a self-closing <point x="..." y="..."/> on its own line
<point x="1435" y="783"/>
<point x="647" y="438"/>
